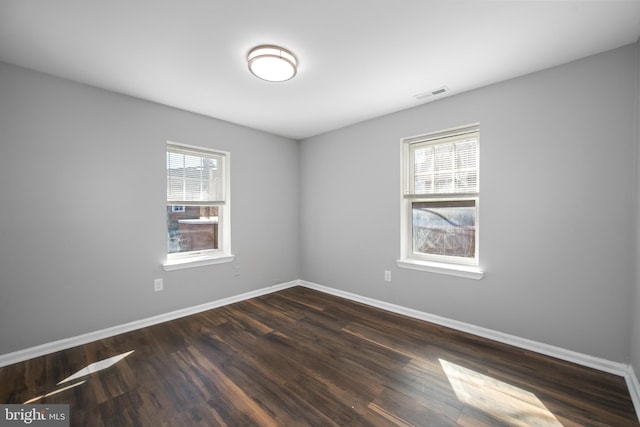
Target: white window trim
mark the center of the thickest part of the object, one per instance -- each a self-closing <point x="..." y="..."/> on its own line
<point x="433" y="264"/>
<point x="459" y="270"/>
<point x="214" y="256"/>
<point x="197" y="260"/>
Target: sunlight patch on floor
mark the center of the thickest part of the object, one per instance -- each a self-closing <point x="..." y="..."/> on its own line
<point x="508" y="403"/>
<point x="96" y="367"/>
<point x="42" y="396"/>
<point x="87" y="370"/>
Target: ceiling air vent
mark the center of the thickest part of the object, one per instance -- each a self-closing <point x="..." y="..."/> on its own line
<point x="432" y="93"/>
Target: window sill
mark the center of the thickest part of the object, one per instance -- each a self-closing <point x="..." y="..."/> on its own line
<point x="467" y="271"/>
<point x="196" y="261"/>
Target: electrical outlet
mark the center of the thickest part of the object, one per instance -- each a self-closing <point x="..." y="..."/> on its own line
<point x="387" y="276"/>
<point x="158" y="285"/>
<point x="236" y="270"/>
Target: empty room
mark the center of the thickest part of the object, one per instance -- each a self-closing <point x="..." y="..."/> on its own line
<point x="355" y="213"/>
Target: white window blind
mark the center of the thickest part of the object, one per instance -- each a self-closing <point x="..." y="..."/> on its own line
<point x="195" y="177"/>
<point x="445" y="164"/>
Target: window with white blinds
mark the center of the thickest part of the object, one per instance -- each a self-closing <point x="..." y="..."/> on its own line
<point x="445" y="164"/>
<point x="195" y="177"/>
<point x="441" y="173"/>
<point x="198" y="213"/>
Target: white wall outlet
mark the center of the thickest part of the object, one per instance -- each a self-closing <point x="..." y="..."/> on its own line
<point x="158" y="285"/>
<point x="236" y="270"/>
<point x="387" y="276"/>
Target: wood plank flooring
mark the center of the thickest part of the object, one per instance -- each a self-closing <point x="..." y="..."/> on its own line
<point x="299" y="357"/>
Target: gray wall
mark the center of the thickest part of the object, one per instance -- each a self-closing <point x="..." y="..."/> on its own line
<point x="556" y="208"/>
<point x="82" y="230"/>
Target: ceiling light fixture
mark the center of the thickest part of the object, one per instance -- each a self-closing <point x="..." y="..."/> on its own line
<point x="272" y="63"/>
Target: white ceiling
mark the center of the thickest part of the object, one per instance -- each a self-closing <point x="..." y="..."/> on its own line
<point x="358" y="59"/>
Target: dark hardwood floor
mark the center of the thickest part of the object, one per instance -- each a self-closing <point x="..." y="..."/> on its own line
<point x="299" y="357"/>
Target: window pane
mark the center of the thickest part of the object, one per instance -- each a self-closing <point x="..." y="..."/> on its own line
<point x="191" y="228"/>
<point x="467" y="154"/>
<point x="194" y="178"/>
<point x="444" y="182"/>
<point x="423" y="184"/>
<point x="445" y="228"/>
<point x="445" y="166"/>
<point x="423" y="160"/>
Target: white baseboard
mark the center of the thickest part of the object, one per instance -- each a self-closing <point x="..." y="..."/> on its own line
<point x="620" y="369"/>
<point x="634" y="388"/>
<point x="63" y="344"/>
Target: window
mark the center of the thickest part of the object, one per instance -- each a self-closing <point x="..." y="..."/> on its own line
<point x="440" y="201"/>
<point x="197" y="206"/>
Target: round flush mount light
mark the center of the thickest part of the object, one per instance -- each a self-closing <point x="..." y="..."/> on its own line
<point x="272" y="63"/>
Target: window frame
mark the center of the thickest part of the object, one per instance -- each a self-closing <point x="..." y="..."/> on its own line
<point x="222" y="254"/>
<point x="438" y="263"/>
